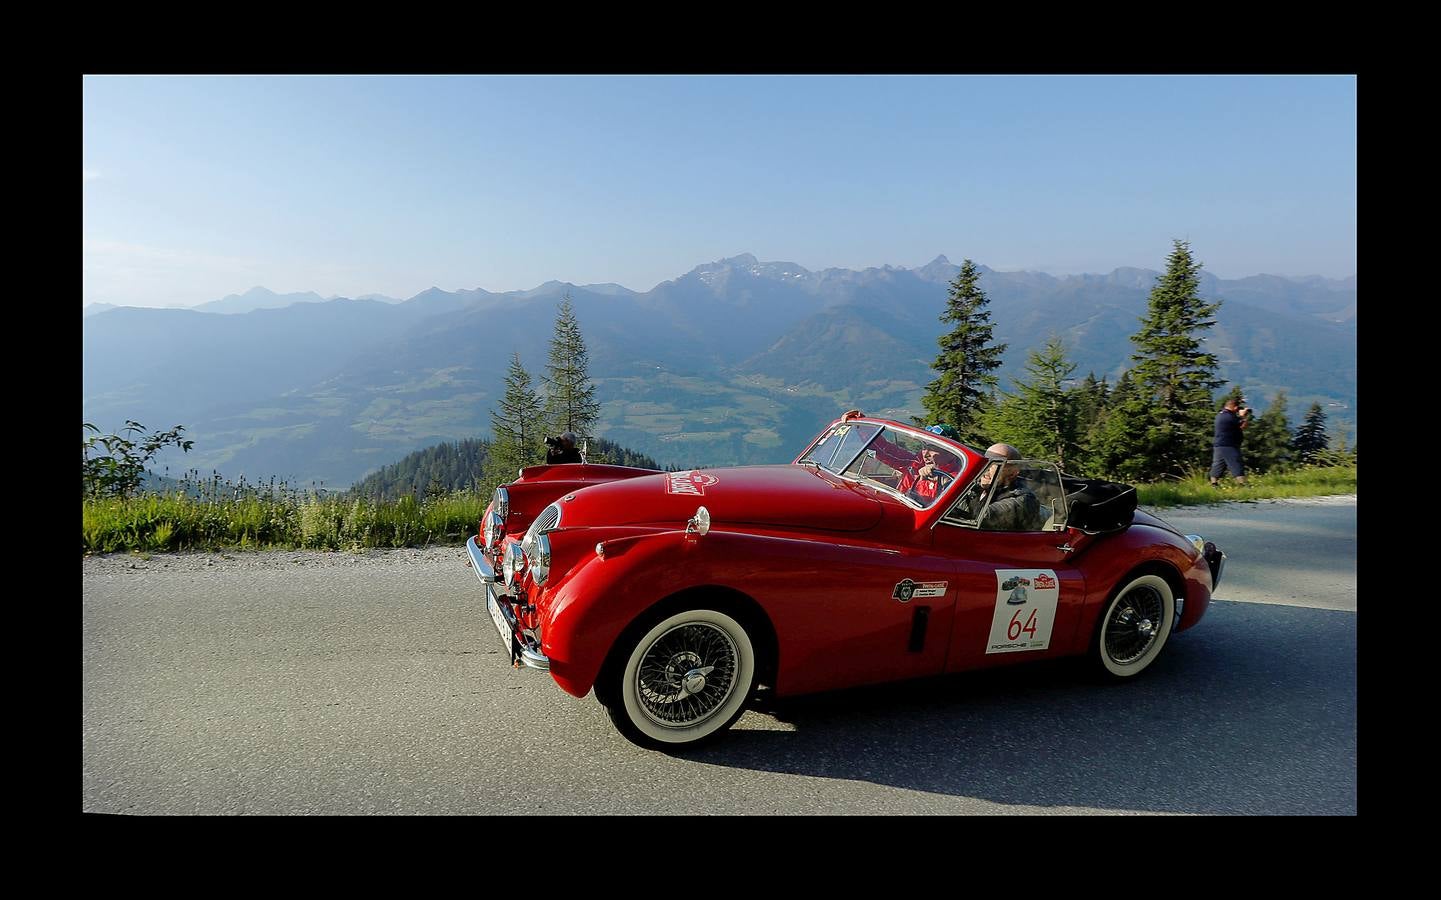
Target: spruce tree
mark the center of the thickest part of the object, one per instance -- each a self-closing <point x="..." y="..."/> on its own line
<point x="1311" y="438"/>
<point x="1041" y="419"/>
<point x="1171" y="416"/>
<point x="967" y="358"/>
<point x="570" y="403"/>
<point x="1091" y="398"/>
<point x="1117" y="448"/>
<point x="516" y="422"/>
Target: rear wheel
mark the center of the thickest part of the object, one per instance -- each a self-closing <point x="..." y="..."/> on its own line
<point x="1134" y="627"/>
<point x="685" y="680"/>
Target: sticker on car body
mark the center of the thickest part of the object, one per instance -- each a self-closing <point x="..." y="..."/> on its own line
<point x="909" y="589"/>
<point x="1025" y="610"/>
<point x="692" y="483"/>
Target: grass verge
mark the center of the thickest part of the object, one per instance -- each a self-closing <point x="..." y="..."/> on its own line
<point x="257" y="519"/>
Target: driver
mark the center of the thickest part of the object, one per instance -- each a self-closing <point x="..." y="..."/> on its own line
<point x="923" y="474"/>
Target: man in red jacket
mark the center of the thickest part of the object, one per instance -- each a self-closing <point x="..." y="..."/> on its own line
<point x="924" y="474"/>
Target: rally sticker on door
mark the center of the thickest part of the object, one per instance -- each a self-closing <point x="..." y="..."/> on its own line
<point x="1025" y="610"/>
<point x="908" y="589"/>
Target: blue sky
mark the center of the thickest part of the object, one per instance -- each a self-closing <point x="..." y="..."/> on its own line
<point x="198" y="187"/>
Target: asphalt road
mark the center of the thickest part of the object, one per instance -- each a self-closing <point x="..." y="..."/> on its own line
<point x="290" y="683"/>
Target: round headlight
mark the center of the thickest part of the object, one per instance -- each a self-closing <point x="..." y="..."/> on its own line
<point x="537" y="555"/>
<point x="514" y="565"/>
<point x="500" y="502"/>
<point x="494" y="531"/>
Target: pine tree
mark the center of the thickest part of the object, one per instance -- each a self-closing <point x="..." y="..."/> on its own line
<point x="570" y="403"/>
<point x="1311" y="438"/>
<point x="516" y="423"/>
<point x="967" y="358"/>
<point x="1041" y="419"/>
<point x="1091" y="398"/>
<point x="1116" y="448"/>
<point x="1268" y="439"/>
<point x="1171" y="416"/>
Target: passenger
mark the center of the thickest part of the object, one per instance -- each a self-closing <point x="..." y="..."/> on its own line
<point x="1013" y="507"/>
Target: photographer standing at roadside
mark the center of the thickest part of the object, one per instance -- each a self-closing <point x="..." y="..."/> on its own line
<point x="1226" y="453"/>
<point x="562" y="449"/>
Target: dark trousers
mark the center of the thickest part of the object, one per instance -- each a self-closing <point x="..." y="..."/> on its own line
<point x="1223" y="458"/>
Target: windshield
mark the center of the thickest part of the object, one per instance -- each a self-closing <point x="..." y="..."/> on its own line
<point x="912" y="467"/>
<point x="839" y="446"/>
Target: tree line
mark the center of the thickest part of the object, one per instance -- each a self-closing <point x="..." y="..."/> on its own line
<point x="1156" y="421"/>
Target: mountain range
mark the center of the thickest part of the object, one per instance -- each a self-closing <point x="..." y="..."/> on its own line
<point x="736" y="361"/>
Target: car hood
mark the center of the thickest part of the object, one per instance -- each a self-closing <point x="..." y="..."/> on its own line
<point x="789" y="496"/>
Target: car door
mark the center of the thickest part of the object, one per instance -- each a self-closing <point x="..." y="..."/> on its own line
<point x="862" y="614"/>
<point x="1018" y="594"/>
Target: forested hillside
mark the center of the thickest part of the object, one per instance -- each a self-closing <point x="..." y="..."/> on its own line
<point x="457" y="466"/>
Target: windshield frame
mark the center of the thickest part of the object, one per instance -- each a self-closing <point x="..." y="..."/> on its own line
<point x="841" y="430"/>
<point x="967" y="457"/>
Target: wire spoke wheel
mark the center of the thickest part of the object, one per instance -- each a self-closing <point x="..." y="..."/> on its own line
<point x="1135" y="626"/>
<point x="685" y="680"/>
<point x="687" y="674"/>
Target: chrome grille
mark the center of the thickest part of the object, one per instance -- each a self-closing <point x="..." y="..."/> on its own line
<point x="548" y="520"/>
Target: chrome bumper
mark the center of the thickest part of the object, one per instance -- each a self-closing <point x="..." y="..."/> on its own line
<point x="522" y="648"/>
<point x="479" y="563"/>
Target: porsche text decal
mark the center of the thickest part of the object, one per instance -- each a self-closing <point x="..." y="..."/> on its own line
<point x="1025" y="610"/>
<point x="692" y="483"/>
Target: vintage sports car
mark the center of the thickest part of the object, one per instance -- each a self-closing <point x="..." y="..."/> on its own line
<point x="884" y="552"/>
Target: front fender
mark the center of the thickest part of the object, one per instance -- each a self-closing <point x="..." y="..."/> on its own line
<point x="587" y="611"/>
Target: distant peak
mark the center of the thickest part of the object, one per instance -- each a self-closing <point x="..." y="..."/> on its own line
<point x="745" y="259"/>
<point x="938" y="261"/>
<point x="609" y="287"/>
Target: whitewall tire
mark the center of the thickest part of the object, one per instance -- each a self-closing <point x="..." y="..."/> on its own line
<point x="1134" y="627"/>
<point x="685" y="680"/>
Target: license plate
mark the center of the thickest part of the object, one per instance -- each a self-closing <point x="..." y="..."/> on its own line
<point x="501" y="625"/>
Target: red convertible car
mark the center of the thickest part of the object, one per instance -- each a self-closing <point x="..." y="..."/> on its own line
<point x="884" y="552"/>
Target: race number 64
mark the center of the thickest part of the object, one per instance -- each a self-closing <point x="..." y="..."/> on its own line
<point x="1014" y="630"/>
